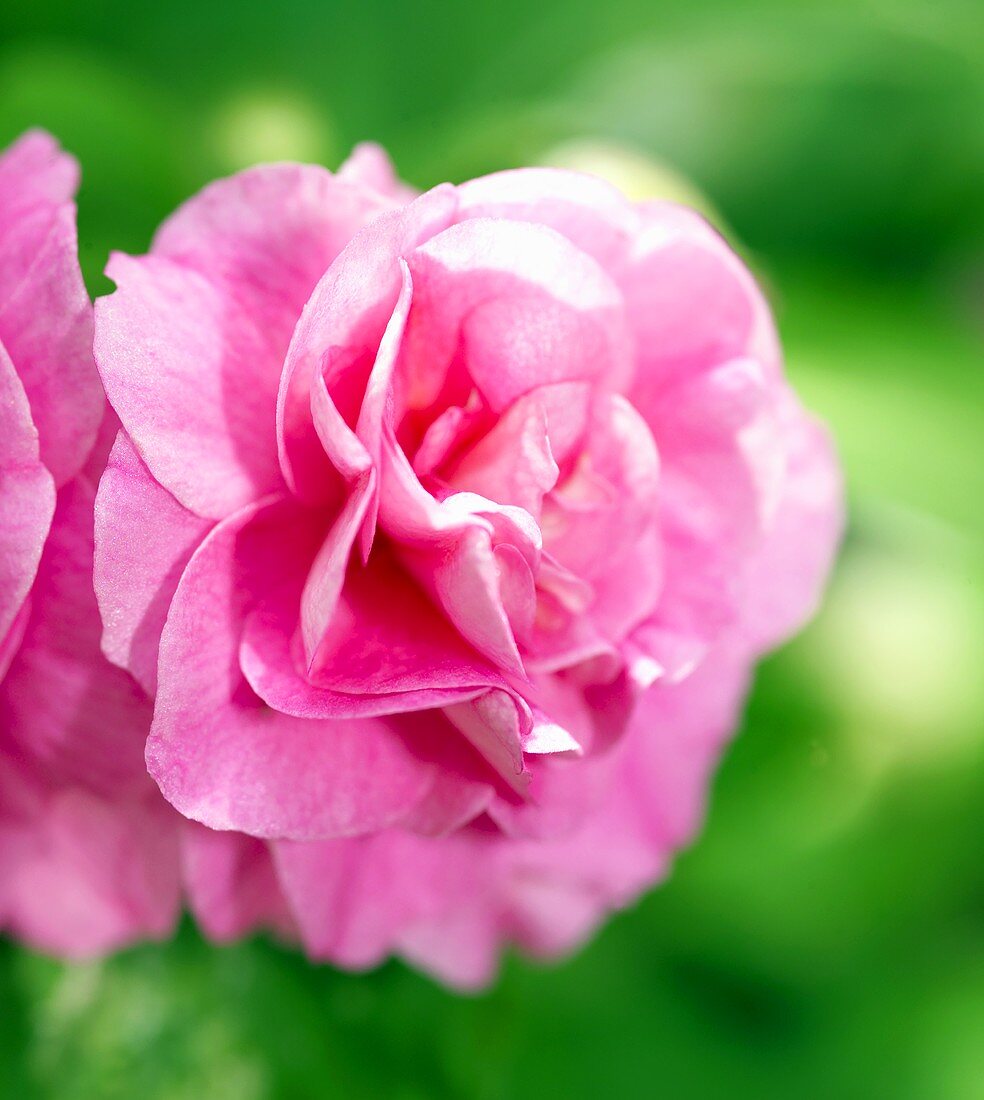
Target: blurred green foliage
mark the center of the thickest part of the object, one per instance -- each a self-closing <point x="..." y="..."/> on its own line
<point x="826" y="936"/>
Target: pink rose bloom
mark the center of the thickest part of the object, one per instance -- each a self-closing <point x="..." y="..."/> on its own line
<point x="84" y="862"/>
<point x="444" y="532"/>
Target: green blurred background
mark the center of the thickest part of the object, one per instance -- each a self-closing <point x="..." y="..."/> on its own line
<point x="825" y="938"/>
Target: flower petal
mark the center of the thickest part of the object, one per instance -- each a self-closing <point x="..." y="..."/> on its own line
<point x="521" y="305"/>
<point x="352" y="898"/>
<point x="84" y="875"/>
<point x="787" y="575"/>
<point x="343" y="322"/>
<point x="723" y="464"/>
<point x="91" y="727"/>
<point x="369" y="165"/>
<point x="692" y="304"/>
<point x="224" y="758"/>
<point x="591" y="213"/>
<point x="191" y="346"/>
<point x="144" y="540"/>
<point x="231" y="883"/>
<point x="45" y="312"/>
<point x="27" y="499"/>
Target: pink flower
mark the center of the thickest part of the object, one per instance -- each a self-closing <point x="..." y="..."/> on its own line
<point x="84" y="862"/>
<point x="444" y="531"/>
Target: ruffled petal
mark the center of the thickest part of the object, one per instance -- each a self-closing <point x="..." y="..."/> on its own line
<point x="340" y="330"/>
<point x="231" y="883"/>
<point x="84" y="874"/>
<point x="62" y="702"/>
<point x="353" y="898"/>
<point x="518" y="305"/>
<point x="10" y="642"/>
<point x="356" y="456"/>
<point x="35" y="172"/>
<point x="592" y="214"/>
<point x="369" y="165"/>
<point x="223" y="757"/>
<point x="192" y="344"/>
<point x="46" y="327"/>
<point x="193" y="377"/>
<point x="783" y="586"/>
<point x="601" y="523"/>
<point x="27" y="501"/>
<point x="692" y="304"/>
<point x="723" y="465"/>
<point x="45" y="312"/>
<point x="513" y="462"/>
<point x="386" y="652"/>
<point x="386" y="637"/>
<point x="144" y="539"/>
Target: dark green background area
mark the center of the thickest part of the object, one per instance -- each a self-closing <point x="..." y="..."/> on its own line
<point x="825" y="937"/>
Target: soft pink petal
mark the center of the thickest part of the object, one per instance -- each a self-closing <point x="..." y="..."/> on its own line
<point x="10" y="642"/>
<point x="789" y="571"/>
<point x="46" y="327"/>
<point x="62" y="702"/>
<point x="589" y="212"/>
<point x="83" y="875"/>
<point x="692" y="304"/>
<point x="549" y="894"/>
<point x="223" y="757"/>
<point x="462" y="789"/>
<point x="520" y="305"/>
<point x="326" y="577"/>
<point x="369" y="165"/>
<point x="562" y="792"/>
<point x="723" y="462"/>
<point x="268" y="233"/>
<point x="231" y="883"/>
<point x="377" y="412"/>
<point x="109" y="429"/>
<point x="192" y="375"/>
<point x="496" y="724"/>
<point x="467" y="584"/>
<point x="460" y="948"/>
<point x="386" y="637"/>
<point x="448" y="433"/>
<point x="144" y="539"/>
<point x="380" y="657"/>
<point x="674" y="739"/>
<point x="513" y="463"/>
<point x="449" y="547"/>
<point x="341" y="328"/>
<point x="357" y="457"/>
<point x="352" y="898"/>
<point x="600" y="524"/>
<point x="45" y="313"/>
<point x="27" y="499"/>
<point x="191" y="346"/>
<point x="35" y="172"/>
